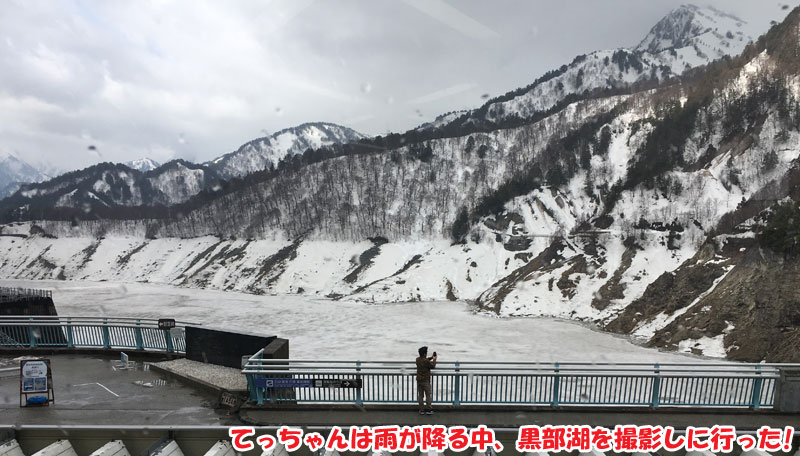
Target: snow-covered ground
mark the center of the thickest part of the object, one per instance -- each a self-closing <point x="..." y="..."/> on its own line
<point x="324" y="329"/>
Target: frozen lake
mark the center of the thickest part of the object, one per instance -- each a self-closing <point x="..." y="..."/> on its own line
<point x="325" y="329"/>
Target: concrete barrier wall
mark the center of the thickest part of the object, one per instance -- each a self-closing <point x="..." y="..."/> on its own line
<point x="224" y="348"/>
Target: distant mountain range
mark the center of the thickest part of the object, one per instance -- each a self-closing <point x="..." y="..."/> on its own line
<point x="687" y="37"/>
<point x="145" y="182"/>
<point x="14" y="172"/>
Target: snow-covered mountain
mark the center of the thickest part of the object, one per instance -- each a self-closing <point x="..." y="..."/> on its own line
<point x="14" y="171"/>
<point x="686" y="38"/>
<point x="107" y="187"/>
<point x="711" y="32"/>
<point x="144" y="182"/>
<point x="266" y="152"/>
<point x="143" y="164"/>
<point x="652" y="213"/>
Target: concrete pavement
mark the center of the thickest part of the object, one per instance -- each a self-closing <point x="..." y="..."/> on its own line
<point x="93" y="390"/>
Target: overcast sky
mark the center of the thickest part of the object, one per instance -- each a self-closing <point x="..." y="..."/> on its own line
<point x="196" y="79"/>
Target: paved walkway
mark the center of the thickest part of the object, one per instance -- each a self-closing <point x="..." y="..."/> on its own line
<point x="93" y="390"/>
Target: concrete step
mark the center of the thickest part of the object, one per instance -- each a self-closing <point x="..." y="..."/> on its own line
<point x="11" y="448"/>
<point x="221" y="448"/>
<point x="59" y="448"/>
<point x="169" y="448"/>
<point x="112" y="448"/>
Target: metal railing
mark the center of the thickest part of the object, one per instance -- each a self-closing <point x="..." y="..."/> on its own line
<point x="90" y="332"/>
<point x="486" y="383"/>
<point x="9" y="294"/>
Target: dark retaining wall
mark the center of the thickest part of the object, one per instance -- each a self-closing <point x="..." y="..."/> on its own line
<point x="224" y="348"/>
<point x="27" y="306"/>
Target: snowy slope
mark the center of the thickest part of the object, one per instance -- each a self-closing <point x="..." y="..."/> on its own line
<point x="263" y="153"/>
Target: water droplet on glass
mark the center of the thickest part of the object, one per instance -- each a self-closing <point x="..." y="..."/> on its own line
<point x="278" y="111"/>
<point x="181" y="139"/>
<point x="366" y="87"/>
<point x="390" y="100"/>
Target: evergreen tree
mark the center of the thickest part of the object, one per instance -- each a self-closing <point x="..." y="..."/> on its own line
<point x="460" y="227"/>
<point x="782" y="233"/>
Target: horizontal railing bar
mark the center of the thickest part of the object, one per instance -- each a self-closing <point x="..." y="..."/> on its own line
<point x="89" y="325"/>
<point x="531" y="363"/>
<point x="543" y="374"/>
<point x="633" y="372"/>
<point x="512" y="365"/>
<point x="51" y="318"/>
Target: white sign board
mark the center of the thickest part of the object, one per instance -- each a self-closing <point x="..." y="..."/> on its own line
<point x="34" y="377"/>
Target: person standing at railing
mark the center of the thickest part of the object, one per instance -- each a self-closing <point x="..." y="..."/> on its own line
<point x="424" y="389"/>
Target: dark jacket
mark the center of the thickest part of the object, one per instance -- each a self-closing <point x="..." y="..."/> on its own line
<point x="424" y="366"/>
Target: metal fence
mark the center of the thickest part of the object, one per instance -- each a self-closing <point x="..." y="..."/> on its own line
<point x="486" y="383"/>
<point x="90" y="332"/>
<point x="8" y="294"/>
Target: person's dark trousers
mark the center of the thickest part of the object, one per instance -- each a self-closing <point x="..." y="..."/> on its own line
<point x="424" y="389"/>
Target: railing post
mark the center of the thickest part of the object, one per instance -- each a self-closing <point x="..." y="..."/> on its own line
<point x="655" y="395"/>
<point x="106" y="335"/>
<point x="457" y="386"/>
<point x="755" y="400"/>
<point x="137" y="334"/>
<point x="168" y="338"/>
<point x="556" y="386"/>
<point x="359" y="399"/>
<point x="70" y="340"/>
<point x="31" y="335"/>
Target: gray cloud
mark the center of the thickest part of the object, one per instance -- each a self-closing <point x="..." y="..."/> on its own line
<point x="195" y="79"/>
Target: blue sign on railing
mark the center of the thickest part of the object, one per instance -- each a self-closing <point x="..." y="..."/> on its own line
<point x="283" y="382"/>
